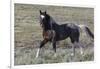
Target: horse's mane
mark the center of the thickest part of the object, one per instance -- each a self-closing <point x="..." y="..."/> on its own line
<point x="52" y="21"/>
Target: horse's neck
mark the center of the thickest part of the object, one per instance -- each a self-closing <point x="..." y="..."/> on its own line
<point x="52" y="21"/>
<point x="50" y="25"/>
<point x="47" y="27"/>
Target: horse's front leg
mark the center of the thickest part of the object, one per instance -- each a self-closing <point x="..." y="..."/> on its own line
<point x="41" y="45"/>
<point x="54" y="47"/>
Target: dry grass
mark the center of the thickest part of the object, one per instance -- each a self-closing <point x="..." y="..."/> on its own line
<point x="28" y="34"/>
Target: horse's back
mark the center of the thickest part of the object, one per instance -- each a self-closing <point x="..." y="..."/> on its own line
<point x="72" y="26"/>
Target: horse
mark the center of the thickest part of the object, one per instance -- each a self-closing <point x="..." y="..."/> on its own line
<point x="53" y="32"/>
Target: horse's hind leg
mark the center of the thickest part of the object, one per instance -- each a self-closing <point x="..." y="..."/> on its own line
<point x="74" y="41"/>
<point x="41" y="45"/>
<point x="73" y="46"/>
<point x="73" y="50"/>
<point x="81" y="47"/>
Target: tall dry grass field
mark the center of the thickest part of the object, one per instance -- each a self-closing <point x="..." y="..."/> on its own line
<point x="28" y="34"/>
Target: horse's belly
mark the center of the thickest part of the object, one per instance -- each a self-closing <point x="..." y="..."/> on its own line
<point x="62" y="36"/>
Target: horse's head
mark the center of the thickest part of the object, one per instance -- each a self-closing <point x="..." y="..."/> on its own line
<point x="44" y="18"/>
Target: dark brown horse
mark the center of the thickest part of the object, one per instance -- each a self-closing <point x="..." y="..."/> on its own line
<point x="53" y="32"/>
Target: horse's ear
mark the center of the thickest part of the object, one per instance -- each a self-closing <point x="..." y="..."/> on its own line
<point x="40" y="12"/>
<point x="45" y="12"/>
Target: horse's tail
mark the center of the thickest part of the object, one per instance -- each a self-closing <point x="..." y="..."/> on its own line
<point x="87" y="30"/>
